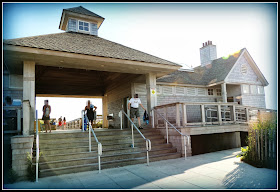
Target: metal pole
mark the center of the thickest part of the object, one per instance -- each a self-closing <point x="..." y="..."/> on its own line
<point x="37" y="148"/>
<point x="185" y="147"/>
<point x="147" y="147"/>
<point x="83" y="121"/>
<point x="89" y="137"/>
<point x="166" y="127"/>
<point x="132" y="136"/>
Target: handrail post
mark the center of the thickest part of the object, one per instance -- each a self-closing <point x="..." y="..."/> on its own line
<point x="148" y="142"/>
<point x="247" y="114"/>
<point x="132" y="136"/>
<point x="203" y="114"/>
<point x="37" y="148"/>
<point x="83" y="121"/>
<point x="234" y="114"/>
<point x="99" y="154"/>
<point x="166" y="125"/>
<point x="89" y="137"/>
<point x="220" y="114"/>
<point x="185" y="147"/>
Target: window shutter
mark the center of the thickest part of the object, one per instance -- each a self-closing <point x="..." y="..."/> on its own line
<point x="140" y="88"/>
<point x="201" y="91"/>
<point x="93" y="29"/>
<point x="167" y="90"/>
<point x="179" y="90"/>
<point x="72" y="25"/>
<point x="191" y="91"/>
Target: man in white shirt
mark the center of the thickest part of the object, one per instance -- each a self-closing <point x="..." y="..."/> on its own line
<point x="134" y="110"/>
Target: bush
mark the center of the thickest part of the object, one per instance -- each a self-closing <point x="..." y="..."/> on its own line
<point x="250" y="153"/>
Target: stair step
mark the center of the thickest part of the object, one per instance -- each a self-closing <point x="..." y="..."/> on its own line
<point x="104" y="158"/>
<point x="94" y="166"/>
<point x="109" y="151"/>
<point x="77" y="149"/>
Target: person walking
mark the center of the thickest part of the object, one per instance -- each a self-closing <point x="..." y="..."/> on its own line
<point x="134" y="111"/>
<point x="46" y="115"/>
<point x="64" y="123"/>
<point x="90" y="112"/>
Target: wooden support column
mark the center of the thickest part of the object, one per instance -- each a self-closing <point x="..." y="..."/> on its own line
<point x="178" y="115"/>
<point x="105" y="111"/>
<point x="220" y="115"/>
<point x="28" y="95"/>
<point x="234" y="114"/>
<point x="203" y="115"/>
<point x="184" y="113"/>
<point x="224" y="92"/>
<point x="151" y="91"/>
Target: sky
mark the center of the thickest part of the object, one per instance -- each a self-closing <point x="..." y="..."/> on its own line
<point x="172" y="31"/>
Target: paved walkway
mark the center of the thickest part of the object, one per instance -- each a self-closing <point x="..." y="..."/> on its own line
<point x="218" y="170"/>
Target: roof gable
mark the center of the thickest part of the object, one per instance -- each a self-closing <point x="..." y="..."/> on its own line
<point x="253" y="75"/>
<point x="213" y="73"/>
<point x="86" y="44"/>
<point x="83" y="11"/>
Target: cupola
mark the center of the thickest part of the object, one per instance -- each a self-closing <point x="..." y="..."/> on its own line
<point x="80" y="20"/>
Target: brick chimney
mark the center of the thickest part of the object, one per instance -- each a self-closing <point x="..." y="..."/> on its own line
<point x="208" y="53"/>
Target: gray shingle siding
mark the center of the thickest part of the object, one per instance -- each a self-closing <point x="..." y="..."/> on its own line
<point x="254" y="100"/>
<point x="93" y="29"/>
<point x="237" y="76"/>
<point x="72" y="25"/>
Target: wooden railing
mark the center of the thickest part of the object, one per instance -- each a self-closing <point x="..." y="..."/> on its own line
<point x="207" y="113"/>
<point x="74" y="124"/>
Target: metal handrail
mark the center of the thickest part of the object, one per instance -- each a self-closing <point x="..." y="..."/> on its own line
<point x="148" y="142"/>
<point x="37" y="148"/>
<point x="99" y="145"/>
<point x="167" y="122"/>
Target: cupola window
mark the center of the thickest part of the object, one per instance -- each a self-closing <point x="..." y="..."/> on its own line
<point x="83" y="26"/>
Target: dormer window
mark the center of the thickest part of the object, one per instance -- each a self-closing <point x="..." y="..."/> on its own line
<point x="83" y="26"/>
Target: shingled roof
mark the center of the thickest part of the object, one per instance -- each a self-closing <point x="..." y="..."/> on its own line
<point x="85" y="44"/>
<point x="215" y="72"/>
<point x="83" y="11"/>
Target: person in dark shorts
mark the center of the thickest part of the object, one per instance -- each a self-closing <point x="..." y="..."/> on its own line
<point x="90" y="112"/>
<point x="134" y="109"/>
<point x="46" y="115"/>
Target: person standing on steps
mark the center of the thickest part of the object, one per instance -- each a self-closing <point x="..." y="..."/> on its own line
<point x="46" y="116"/>
<point x="134" y="111"/>
<point x="90" y="112"/>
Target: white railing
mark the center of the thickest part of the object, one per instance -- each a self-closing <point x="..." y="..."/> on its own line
<point x="99" y="145"/>
<point x="184" y="136"/>
<point x="210" y="113"/>
<point x="148" y="142"/>
<point x="37" y="148"/>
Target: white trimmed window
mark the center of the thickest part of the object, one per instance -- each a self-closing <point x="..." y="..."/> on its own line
<point x="201" y="91"/>
<point x="219" y="92"/>
<point x="83" y="26"/>
<point x="245" y="89"/>
<point x="210" y="91"/>
<point x="179" y="90"/>
<point x="260" y="90"/>
<point x="191" y="91"/>
<point x="243" y="69"/>
<point x="167" y="90"/>
<point x="253" y="89"/>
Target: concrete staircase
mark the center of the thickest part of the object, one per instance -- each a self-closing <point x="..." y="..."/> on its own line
<point x="68" y="152"/>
